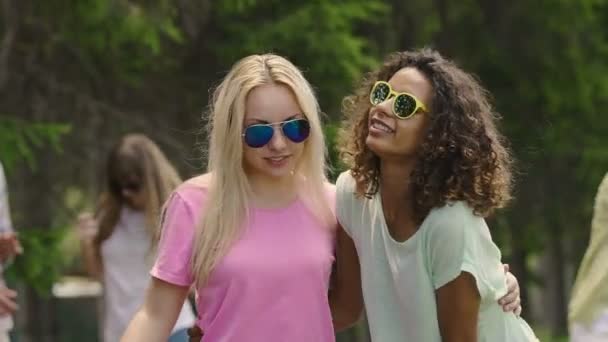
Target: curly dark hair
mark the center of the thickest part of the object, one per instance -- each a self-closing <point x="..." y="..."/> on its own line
<point x="463" y="157"/>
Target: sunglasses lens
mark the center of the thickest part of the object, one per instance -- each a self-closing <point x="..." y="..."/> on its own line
<point x="380" y="93"/>
<point x="405" y="105"/>
<point x="258" y="136"/>
<point x="296" y="130"/>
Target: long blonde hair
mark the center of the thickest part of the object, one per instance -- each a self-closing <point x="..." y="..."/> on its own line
<point x="229" y="189"/>
<point x="137" y="155"/>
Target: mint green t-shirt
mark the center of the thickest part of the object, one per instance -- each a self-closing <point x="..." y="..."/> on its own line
<point x="399" y="279"/>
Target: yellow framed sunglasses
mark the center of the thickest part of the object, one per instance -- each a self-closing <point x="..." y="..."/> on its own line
<point x="405" y="104"/>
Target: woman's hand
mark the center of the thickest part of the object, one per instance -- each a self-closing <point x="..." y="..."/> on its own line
<point x="86" y="227"/>
<point x="8" y="301"/>
<point x="195" y="334"/>
<point x="511" y="302"/>
<point x="9" y="246"/>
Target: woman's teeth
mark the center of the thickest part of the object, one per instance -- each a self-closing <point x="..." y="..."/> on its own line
<point x="381" y="127"/>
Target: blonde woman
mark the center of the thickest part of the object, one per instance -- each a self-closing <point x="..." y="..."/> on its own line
<point x="255" y="235"/>
<point x="588" y="312"/>
<point x="9" y="248"/>
<point x="118" y="242"/>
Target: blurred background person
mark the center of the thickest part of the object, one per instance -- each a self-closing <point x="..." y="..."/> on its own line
<point x="118" y="241"/>
<point x="588" y="311"/>
<point x="9" y="247"/>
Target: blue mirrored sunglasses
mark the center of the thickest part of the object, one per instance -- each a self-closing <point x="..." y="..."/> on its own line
<point x="258" y="135"/>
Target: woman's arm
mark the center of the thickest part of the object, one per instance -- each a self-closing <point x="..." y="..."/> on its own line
<point x="92" y="262"/>
<point x="87" y="228"/>
<point x="345" y="296"/>
<point x="157" y="316"/>
<point x="458" y="309"/>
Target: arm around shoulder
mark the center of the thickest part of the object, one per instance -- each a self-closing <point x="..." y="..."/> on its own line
<point x="92" y="261"/>
<point x="346" y="297"/>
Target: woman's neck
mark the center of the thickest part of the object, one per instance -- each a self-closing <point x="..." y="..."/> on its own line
<point x="269" y="192"/>
<point x="395" y="186"/>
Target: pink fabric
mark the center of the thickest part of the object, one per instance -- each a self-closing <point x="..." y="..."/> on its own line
<point x="271" y="286"/>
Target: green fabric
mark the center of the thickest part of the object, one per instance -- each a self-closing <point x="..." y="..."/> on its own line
<point x="590" y="292"/>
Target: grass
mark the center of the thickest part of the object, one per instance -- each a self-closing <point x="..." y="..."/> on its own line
<point x="545" y="335"/>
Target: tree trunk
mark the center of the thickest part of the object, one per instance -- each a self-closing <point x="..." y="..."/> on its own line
<point x="559" y="319"/>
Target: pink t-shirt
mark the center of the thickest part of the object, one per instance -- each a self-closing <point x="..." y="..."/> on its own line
<point x="273" y="283"/>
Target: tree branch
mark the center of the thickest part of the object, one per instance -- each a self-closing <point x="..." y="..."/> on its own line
<point x="194" y="15"/>
<point x="444" y="32"/>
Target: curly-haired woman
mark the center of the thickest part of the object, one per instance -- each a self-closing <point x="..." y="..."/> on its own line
<point x="427" y="164"/>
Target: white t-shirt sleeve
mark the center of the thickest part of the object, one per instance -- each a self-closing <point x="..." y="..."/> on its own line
<point x="459" y="241"/>
<point x="5" y="216"/>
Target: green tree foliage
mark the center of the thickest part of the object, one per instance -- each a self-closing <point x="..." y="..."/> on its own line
<point x="40" y="267"/>
<point x="111" y="38"/>
<point x="42" y="263"/>
<point x="129" y="39"/>
<point x="319" y="36"/>
<point x="19" y="140"/>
